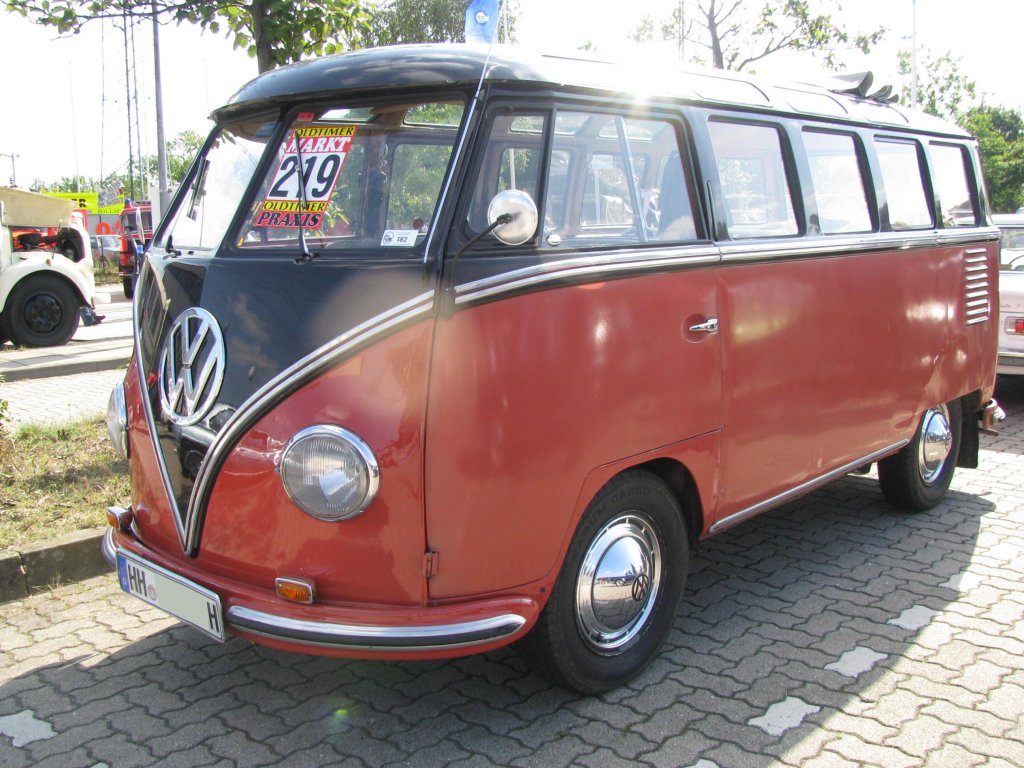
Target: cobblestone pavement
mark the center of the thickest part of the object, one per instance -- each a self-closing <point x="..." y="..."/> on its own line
<point x="831" y="632"/>
<point x="59" y="399"/>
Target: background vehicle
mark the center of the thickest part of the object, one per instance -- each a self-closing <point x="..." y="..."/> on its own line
<point x="106" y="250"/>
<point x="136" y="232"/>
<point x="1011" y="294"/>
<point x="42" y="290"/>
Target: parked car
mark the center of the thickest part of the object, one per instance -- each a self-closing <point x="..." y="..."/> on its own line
<point x="105" y="249"/>
<point x="1011" y="294"/>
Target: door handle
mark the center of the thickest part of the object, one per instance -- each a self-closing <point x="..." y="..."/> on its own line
<point x="710" y="326"/>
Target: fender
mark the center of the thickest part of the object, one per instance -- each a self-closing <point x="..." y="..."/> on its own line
<point x="79" y="274"/>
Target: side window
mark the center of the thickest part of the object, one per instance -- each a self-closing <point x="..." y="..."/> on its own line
<point x="903" y="179"/>
<point x="512" y="160"/>
<point x="417" y="172"/>
<point x="758" y="197"/>
<point x="951" y="175"/>
<point x="839" y="187"/>
<point x="615" y="180"/>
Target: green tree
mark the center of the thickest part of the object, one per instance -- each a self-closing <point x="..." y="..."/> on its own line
<point x="942" y="89"/>
<point x="181" y="151"/>
<point x="1000" y="134"/>
<point x="274" y="32"/>
<point x="734" y="34"/>
<point x="426" y="21"/>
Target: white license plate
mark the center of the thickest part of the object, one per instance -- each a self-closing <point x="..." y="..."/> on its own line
<point x="172" y="593"/>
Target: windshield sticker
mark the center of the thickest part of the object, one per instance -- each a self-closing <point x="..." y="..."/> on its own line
<point x="399" y="238"/>
<point x="321" y="151"/>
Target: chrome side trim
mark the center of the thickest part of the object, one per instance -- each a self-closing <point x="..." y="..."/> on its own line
<point x="738" y="517"/>
<point x="172" y="501"/>
<point x="585" y="266"/>
<point x="967" y="235"/>
<point x="306" y="369"/>
<point x="838" y="245"/>
<point x="375" y="638"/>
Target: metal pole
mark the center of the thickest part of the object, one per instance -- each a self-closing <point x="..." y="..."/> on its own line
<point x="14" y="180"/>
<point x="161" y="149"/>
<point x="913" y="54"/>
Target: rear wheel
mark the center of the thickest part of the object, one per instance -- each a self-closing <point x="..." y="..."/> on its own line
<point x="618" y="591"/>
<point x="918" y="477"/>
<point x="42" y="311"/>
<point x="128" y="283"/>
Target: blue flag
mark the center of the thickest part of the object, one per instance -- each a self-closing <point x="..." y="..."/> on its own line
<point x="482" y="21"/>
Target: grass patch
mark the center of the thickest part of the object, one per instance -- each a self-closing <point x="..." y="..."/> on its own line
<point x="55" y="480"/>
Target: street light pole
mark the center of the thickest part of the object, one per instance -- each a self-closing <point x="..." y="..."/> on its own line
<point x="913" y="54"/>
<point x="14" y="181"/>
<point x="163" y="193"/>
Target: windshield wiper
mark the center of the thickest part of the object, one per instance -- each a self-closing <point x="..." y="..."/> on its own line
<point x="306" y="256"/>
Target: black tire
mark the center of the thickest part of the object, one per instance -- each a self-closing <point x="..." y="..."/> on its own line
<point x="917" y="478"/>
<point x="128" y="283"/>
<point x="41" y="311"/>
<point x="597" y="633"/>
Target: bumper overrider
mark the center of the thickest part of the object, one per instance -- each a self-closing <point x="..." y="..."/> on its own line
<point x="415" y="631"/>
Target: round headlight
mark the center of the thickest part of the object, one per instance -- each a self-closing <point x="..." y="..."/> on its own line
<point x="329" y="472"/>
<point x="117" y="421"/>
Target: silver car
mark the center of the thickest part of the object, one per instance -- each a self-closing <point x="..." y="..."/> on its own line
<point x="1011" y="294"/>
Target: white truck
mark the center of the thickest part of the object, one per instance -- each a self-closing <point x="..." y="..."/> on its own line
<point x="43" y="291"/>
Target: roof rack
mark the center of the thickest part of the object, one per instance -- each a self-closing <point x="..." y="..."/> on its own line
<point x="859" y="84"/>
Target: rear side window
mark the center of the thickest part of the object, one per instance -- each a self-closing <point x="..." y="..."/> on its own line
<point x="903" y="179"/>
<point x="838" y="180"/>
<point x="758" y="195"/>
<point x="952" y="185"/>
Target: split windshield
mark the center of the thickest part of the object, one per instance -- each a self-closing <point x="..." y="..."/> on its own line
<point x="370" y="179"/>
<point x="354" y="178"/>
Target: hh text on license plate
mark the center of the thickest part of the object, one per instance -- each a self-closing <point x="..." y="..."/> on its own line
<point x="172" y="593"/>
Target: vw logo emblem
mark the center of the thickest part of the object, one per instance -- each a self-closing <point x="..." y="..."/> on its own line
<point x="641" y="587"/>
<point x="191" y="367"/>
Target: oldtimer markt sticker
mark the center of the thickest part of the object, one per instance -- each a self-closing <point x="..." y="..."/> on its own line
<point x="322" y="150"/>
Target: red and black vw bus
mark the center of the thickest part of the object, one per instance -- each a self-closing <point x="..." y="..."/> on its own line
<point x="438" y="351"/>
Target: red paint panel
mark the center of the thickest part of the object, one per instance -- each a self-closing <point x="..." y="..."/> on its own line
<point x="253" y="533"/>
<point x="828" y="360"/>
<point x="530" y="394"/>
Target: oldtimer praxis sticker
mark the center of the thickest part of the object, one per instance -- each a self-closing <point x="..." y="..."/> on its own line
<point x="321" y="151"/>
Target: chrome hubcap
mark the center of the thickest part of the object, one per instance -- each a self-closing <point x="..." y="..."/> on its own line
<point x="618" y="583"/>
<point x="936" y="443"/>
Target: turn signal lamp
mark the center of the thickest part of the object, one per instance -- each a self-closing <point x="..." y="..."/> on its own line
<point x="120" y="518"/>
<point x="295" y="590"/>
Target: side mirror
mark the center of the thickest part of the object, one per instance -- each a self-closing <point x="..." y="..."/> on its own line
<point x="520" y="206"/>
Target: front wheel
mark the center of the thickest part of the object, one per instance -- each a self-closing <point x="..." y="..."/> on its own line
<point x="618" y="591"/>
<point x="41" y="311"/>
<point x="917" y="478"/>
<point x="128" y="283"/>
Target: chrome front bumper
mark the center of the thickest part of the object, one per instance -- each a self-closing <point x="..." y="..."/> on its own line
<point x="364" y="637"/>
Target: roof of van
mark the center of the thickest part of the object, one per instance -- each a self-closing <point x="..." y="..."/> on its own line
<point x="460" y="64"/>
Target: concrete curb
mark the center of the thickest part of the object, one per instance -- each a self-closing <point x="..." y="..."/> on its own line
<point x="116" y="356"/>
<point x="73" y="557"/>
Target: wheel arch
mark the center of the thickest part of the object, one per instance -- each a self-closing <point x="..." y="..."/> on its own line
<point x="690" y="470"/>
<point x="683" y="486"/>
<point x="12" y="276"/>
